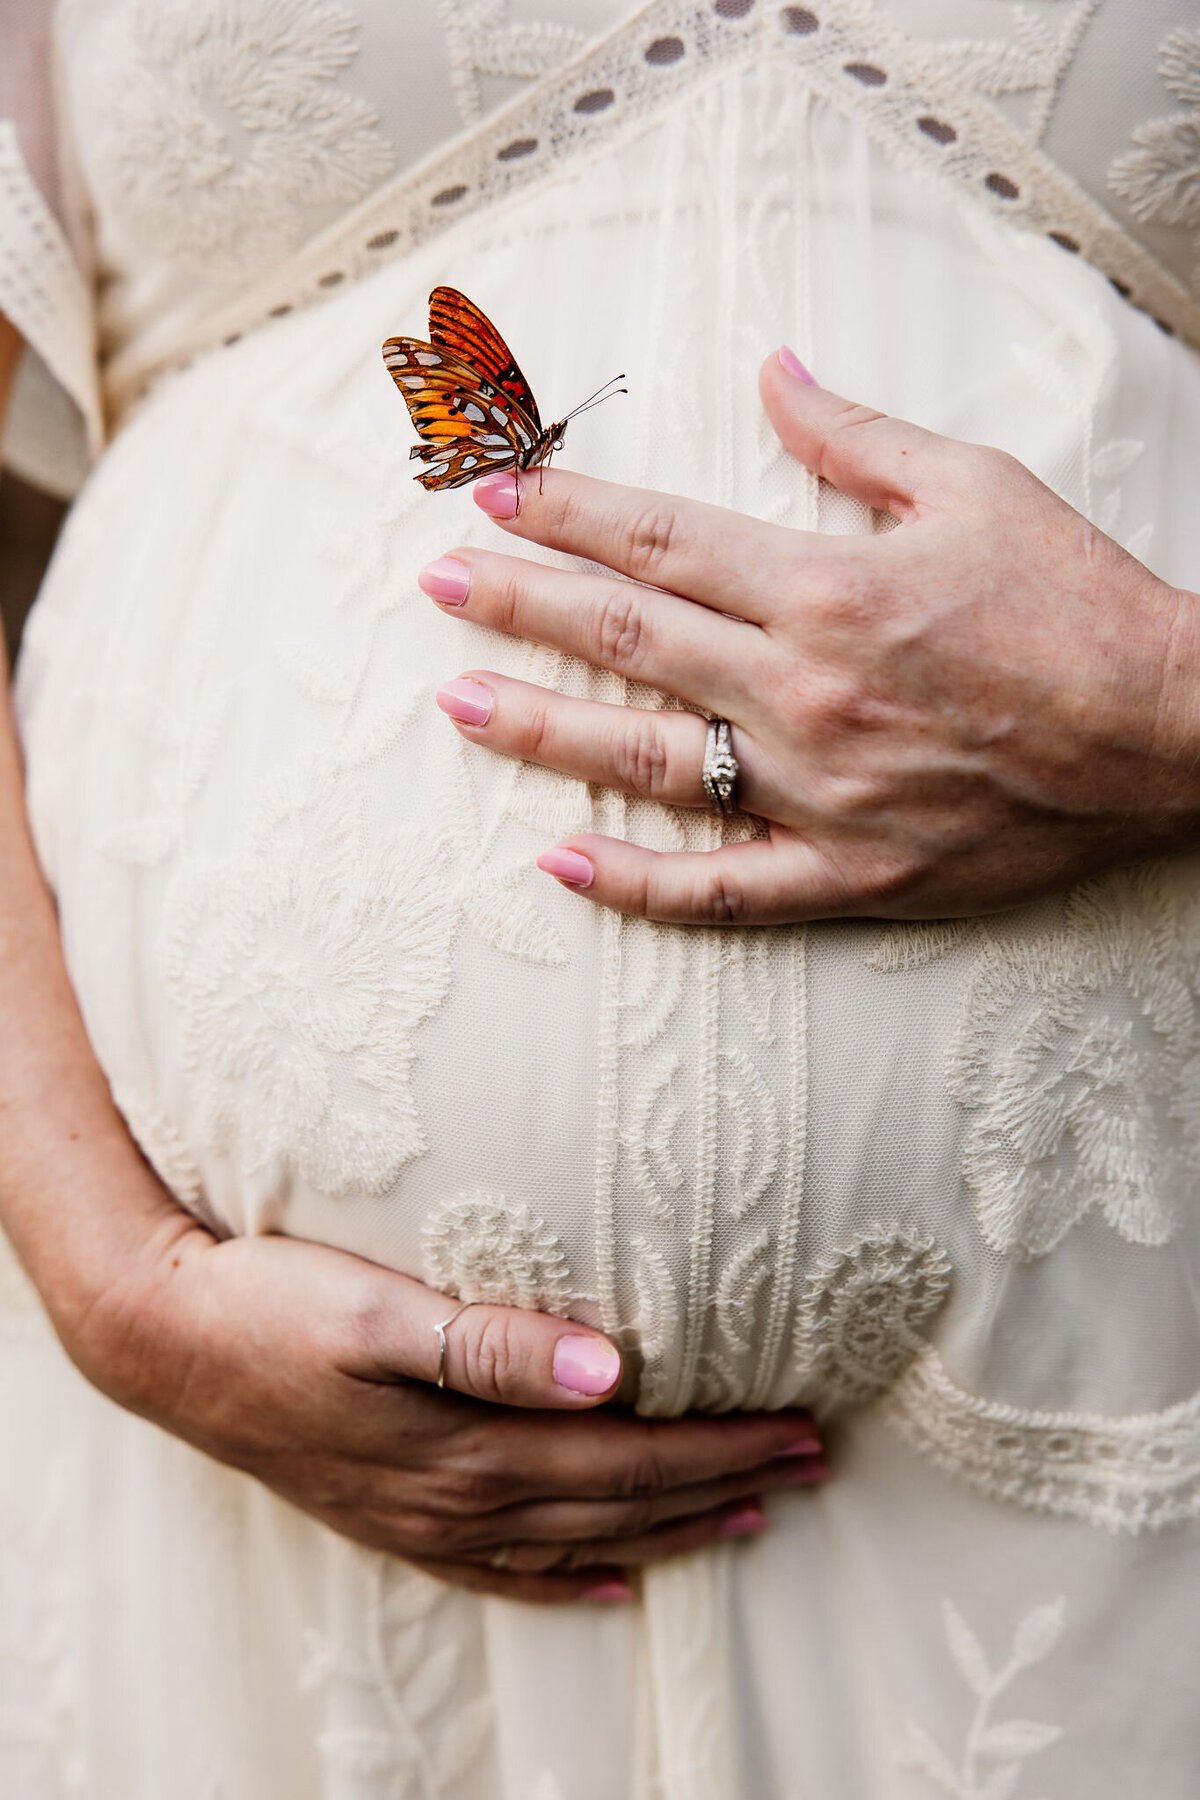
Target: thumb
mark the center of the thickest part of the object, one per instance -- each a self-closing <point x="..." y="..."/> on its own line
<point x="886" y="463"/>
<point x="506" y="1354"/>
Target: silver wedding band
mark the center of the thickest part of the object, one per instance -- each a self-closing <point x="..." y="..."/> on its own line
<point x="719" y="771"/>
<point x="441" y="1335"/>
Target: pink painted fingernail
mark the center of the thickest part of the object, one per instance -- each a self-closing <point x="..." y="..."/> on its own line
<point x="791" y="362"/>
<point x="801" y="1446"/>
<point x="745" y="1520"/>
<point x="498" y="495"/>
<point x="467" y="701"/>
<point x="804" y="1473"/>
<point x="568" y="866"/>
<point x="608" y="1590"/>
<point x="446" y="579"/>
<point x="586" y="1365"/>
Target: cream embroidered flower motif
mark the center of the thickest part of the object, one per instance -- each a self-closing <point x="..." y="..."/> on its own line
<point x="1160" y="177"/>
<point x="301" y="969"/>
<point x="482" y="43"/>
<point x="862" y="1312"/>
<point x="227" y="126"/>
<point x="993" y="1755"/>
<point x="1078" y="1057"/>
<point x="485" y="1247"/>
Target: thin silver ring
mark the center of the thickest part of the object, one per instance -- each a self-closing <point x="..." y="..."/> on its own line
<point x="719" y="771"/>
<point x="441" y="1332"/>
<point x="501" y="1558"/>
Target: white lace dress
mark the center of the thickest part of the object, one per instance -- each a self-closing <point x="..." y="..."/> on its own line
<point x="937" y="1181"/>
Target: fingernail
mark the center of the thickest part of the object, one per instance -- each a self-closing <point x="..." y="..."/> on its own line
<point x="568" y="866"/>
<point x="745" y="1520"/>
<point x="608" y="1590"/>
<point x="446" y="579"/>
<point x="498" y="495"/>
<point x="586" y="1365"/>
<point x="801" y="1446"/>
<point x="467" y="701"/>
<point x="791" y="362"/>
<point x="804" y="1473"/>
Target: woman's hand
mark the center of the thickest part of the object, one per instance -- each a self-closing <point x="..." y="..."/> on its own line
<point x="313" y="1371"/>
<point x="987" y="703"/>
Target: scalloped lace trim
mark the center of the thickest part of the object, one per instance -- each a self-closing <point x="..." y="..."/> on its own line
<point x="41" y="288"/>
<point x="1134" y="1474"/>
<point x="921" y="111"/>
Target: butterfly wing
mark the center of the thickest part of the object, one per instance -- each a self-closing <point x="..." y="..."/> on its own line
<point x="470" y="426"/>
<point x="457" y="325"/>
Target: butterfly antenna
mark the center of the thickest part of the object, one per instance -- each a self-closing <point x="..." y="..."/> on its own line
<point x="599" y="397"/>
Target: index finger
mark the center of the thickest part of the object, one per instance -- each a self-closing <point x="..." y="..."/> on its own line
<point x="726" y="560"/>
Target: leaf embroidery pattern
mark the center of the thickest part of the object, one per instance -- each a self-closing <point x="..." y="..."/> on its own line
<point x="995" y="1751"/>
<point x="1160" y="176"/>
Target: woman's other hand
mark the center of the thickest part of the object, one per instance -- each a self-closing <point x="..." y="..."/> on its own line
<point x="987" y="703"/>
<point x="314" y="1371"/>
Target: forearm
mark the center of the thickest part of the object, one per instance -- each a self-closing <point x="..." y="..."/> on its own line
<point x="75" y="1195"/>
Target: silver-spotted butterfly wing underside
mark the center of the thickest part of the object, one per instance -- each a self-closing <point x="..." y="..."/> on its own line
<point x="469" y="401"/>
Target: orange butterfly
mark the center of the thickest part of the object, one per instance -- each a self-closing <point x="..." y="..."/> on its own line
<point x="468" y="399"/>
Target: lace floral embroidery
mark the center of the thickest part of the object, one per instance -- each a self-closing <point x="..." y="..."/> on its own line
<point x="484" y="1247"/>
<point x="1031" y="63"/>
<point x="862" y="1313"/>
<point x="1078" y="1059"/>
<point x="227" y="125"/>
<point x="993" y="1756"/>
<point x="301" y="969"/>
<point x="908" y="95"/>
<point x="1137" y="1473"/>
<point x="483" y="42"/>
<point x="1160" y="176"/>
<point x="403" y="1714"/>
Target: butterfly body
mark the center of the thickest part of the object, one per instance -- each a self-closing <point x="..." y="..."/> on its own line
<point x="469" y="401"/>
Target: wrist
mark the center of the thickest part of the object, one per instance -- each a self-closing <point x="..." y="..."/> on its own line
<point x="92" y="1226"/>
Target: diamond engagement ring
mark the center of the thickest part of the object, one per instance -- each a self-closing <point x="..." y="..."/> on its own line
<point x="441" y="1335"/>
<point x="719" y="773"/>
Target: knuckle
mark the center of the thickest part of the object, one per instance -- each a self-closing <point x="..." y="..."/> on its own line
<point x="427" y="1533"/>
<point x="888" y="878"/>
<point x="508" y="599"/>
<point x="720" y="898"/>
<point x="537" y="737"/>
<point x="983" y="467"/>
<point x="491" y="1357"/>
<point x="362" y="1336"/>
<point x="621" y="630"/>
<point x="834" y="707"/>
<point x="464" y="1492"/>
<point x="653" y="533"/>
<point x="641" y="761"/>
<point x="643" y="1477"/>
<point x="848" y="422"/>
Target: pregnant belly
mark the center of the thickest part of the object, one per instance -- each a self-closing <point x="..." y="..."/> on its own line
<point x="334" y="998"/>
